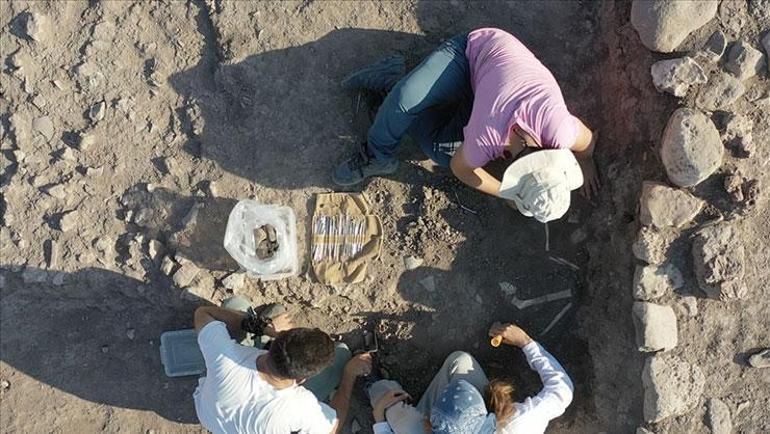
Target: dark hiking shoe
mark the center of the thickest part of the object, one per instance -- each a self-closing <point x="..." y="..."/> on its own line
<point x="380" y="76"/>
<point x="361" y="166"/>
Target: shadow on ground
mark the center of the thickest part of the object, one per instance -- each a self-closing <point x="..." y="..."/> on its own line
<point x="76" y="337"/>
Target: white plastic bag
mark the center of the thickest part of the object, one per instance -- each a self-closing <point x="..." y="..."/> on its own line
<point x="248" y="215"/>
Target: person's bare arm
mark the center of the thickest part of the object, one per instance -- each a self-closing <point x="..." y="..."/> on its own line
<point x="207" y="314"/>
<point x="584" y="152"/>
<point x="475" y="177"/>
<point x="357" y="366"/>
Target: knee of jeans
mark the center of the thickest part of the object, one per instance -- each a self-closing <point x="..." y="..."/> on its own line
<point x="460" y="358"/>
<point x="408" y="96"/>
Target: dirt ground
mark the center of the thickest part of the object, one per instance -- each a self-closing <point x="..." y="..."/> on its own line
<point x="209" y="101"/>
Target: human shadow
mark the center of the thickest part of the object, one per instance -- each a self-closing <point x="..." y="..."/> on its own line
<point x="100" y="342"/>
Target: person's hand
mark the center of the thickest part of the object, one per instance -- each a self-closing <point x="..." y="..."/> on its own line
<point x="391" y="397"/>
<point x="278" y="324"/>
<point x="359" y="365"/>
<point x="511" y="334"/>
<point x="591" y="184"/>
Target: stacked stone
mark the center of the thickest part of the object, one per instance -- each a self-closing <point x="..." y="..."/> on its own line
<point x="691" y="151"/>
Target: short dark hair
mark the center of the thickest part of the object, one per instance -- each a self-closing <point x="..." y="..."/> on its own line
<point x="300" y="353"/>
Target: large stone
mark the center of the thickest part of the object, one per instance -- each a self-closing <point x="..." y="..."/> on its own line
<point x="691" y="149"/>
<point x="671" y="387"/>
<point x="663" y="24"/>
<point x="721" y="91"/>
<point x="744" y="61"/>
<point x="718" y="416"/>
<point x="43" y="126"/>
<point x="185" y="275"/>
<point x="662" y="206"/>
<point x="655" y="327"/>
<point x="36" y="26"/>
<point x="650" y="246"/>
<point x="719" y="256"/>
<point x="675" y="76"/>
<point x="652" y="281"/>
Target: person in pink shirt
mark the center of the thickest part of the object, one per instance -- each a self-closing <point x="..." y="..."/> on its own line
<point x="479" y="97"/>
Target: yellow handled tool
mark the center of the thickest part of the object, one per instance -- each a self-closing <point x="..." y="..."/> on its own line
<point x="496" y="341"/>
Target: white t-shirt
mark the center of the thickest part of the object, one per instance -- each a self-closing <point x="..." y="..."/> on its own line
<point x="232" y="398"/>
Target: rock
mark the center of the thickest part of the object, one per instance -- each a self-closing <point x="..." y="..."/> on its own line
<point x="155" y="249"/>
<point x="58" y="191"/>
<point x="86" y="141"/>
<point x="36" y="26"/>
<point x="662" y="206"/>
<point x="5" y="385"/>
<point x="355" y="427"/>
<point x="185" y="274"/>
<point x="737" y="134"/>
<point x="655" y="327"/>
<point x="744" y="61"/>
<point x="68" y="221"/>
<point x="766" y="46"/>
<point x="652" y="281"/>
<point x="687" y="306"/>
<point x="662" y="25"/>
<point x="671" y="387"/>
<point x="96" y="112"/>
<point x="234" y="282"/>
<point x="721" y="91"/>
<point x="715" y="47"/>
<point x="68" y="154"/>
<point x="412" y="262"/>
<point x="718" y="417"/>
<point x="105" y="349"/>
<point x="429" y="283"/>
<point x="719" y="256"/>
<point x="641" y="430"/>
<point x="734" y="186"/>
<point x="760" y="359"/>
<point x="131" y="334"/>
<point x="168" y="265"/>
<point x="58" y="278"/>
<point x="43" y="126"/>
<point x="650" y="246"/>
<point x="691" y="149"/>
<point x="675" y="76"/>
<point x="34" y="275"/>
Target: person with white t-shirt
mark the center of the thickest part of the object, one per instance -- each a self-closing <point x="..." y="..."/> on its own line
<point x="250" y="390"/>
<point x="461" y="399"/>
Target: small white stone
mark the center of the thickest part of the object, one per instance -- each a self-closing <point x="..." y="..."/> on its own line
<point x="412" y="262"/>
<point x="131" y="334"/>
<point x="68" y="221"/>
<point x="429" y="283"/>
<point x="167" y="266"/>
<point x="96" y="112"/>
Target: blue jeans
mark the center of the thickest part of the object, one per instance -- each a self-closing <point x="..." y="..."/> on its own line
<point x="432" y="104"/>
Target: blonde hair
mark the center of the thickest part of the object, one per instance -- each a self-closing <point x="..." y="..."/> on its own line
<point x="498" y="396"/>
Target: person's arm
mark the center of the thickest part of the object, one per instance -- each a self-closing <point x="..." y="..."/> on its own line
<point x="390" y="398"/>
<point x="475" y="177"/>
<point x="583" y="148"/>
<point x="357" y="366"/>
<point x="557" y="390"/>
<point x="207" y="314"/>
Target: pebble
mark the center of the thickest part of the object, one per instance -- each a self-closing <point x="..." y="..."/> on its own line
<point x="36" y="26"/>
<point x="655" y="325"/>
<point x="168" y="265"/>
<point x="58" y="191"/>
<point x="675" y="76"/>
<point x="86" y="141"/>
<point x="737" y="133"/>
<point x="155" y="249"/>
<point x="5" y="384"/>
<point x="760" y="359"/>
<point x="68" y="221"/>
<point x="721" y="91"/>
<point x="744" y="61"/>
<point x="58" y="278"/>
<point x="412" y="262"/>
<point x="718" y="416"/>
<point x="716" y="45"/>
<point x="355" y="427"/>
<point x="68" y="154"/>
<point x="719" y="259"/>
<point x="131" y="334"/>
<point x="662" y="206"/>
<point x="105" y="348"/>
<point x="96" y="112"/>
<point x="687" y="306"/>
<point x="672" y="387"/>
<point x="43" y="126"/>
<point x="691" y="149"/>
<point x="234" y="282"/>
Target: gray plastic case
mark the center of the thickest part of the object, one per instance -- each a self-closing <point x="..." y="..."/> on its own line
<point x="180" y="355"/>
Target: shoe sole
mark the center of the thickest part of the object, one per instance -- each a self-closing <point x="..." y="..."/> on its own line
<point x="350" y="184"/>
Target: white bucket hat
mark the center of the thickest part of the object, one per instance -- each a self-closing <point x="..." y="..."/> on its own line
<point x="540" y="183"/>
